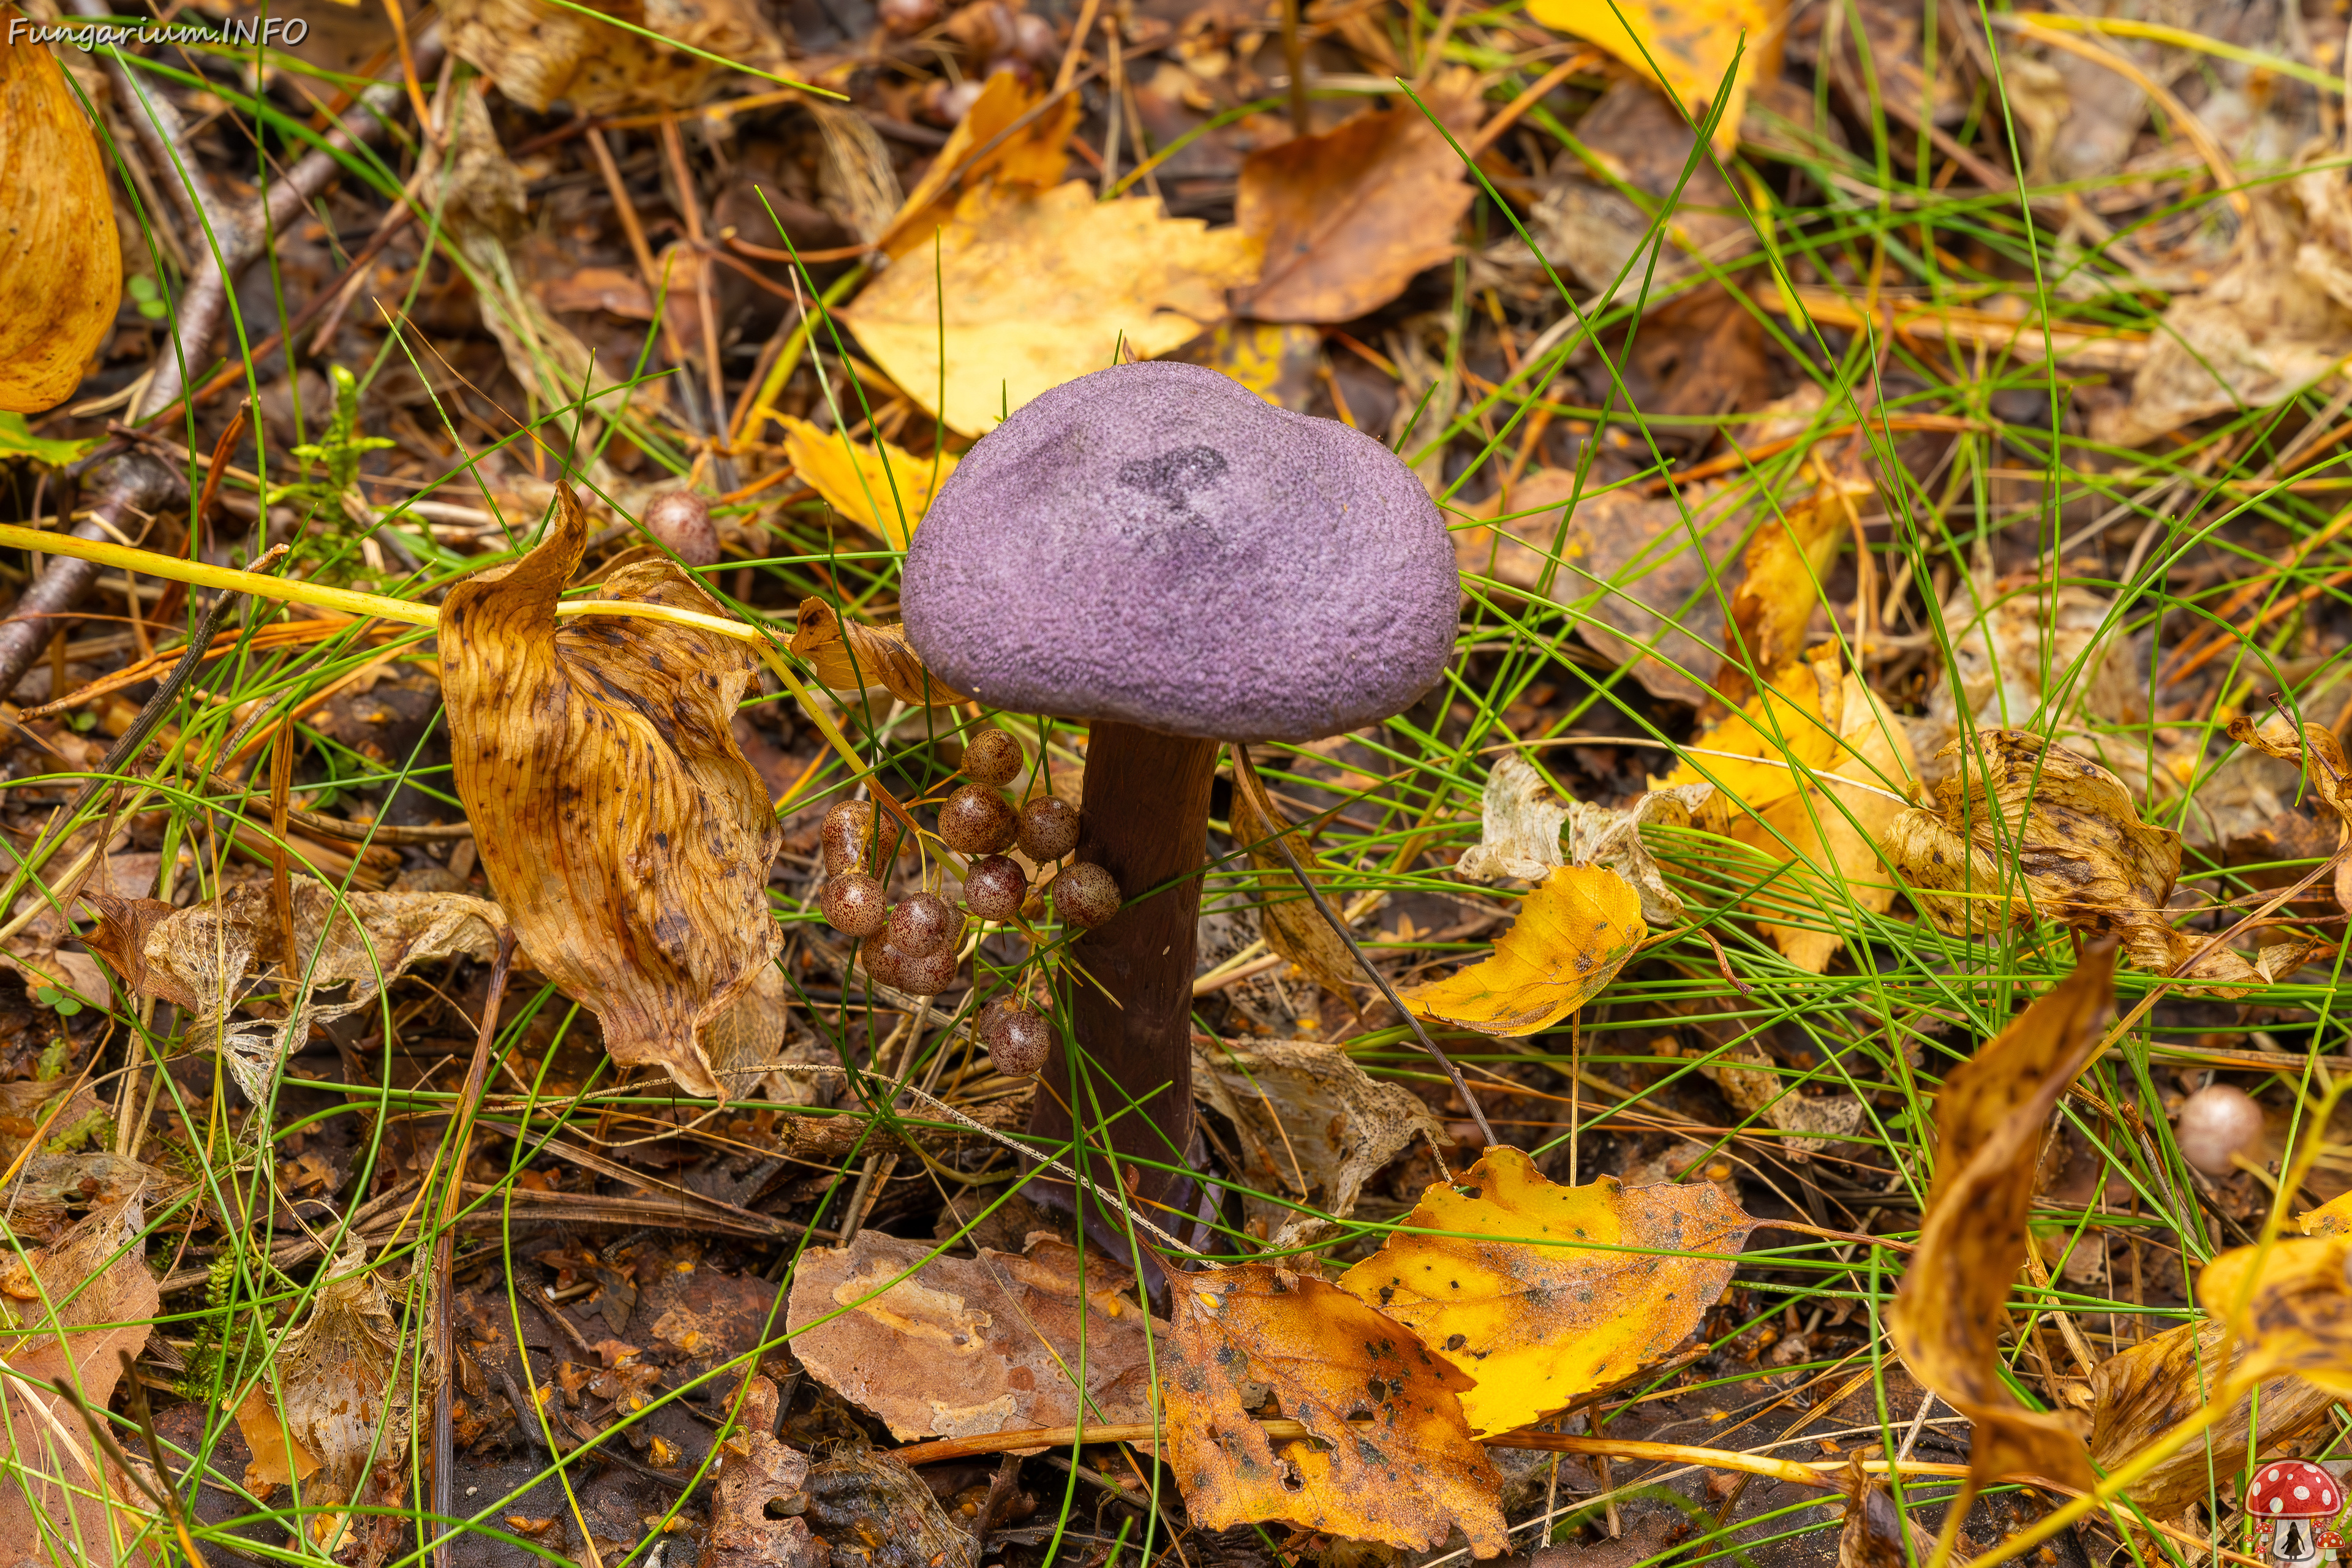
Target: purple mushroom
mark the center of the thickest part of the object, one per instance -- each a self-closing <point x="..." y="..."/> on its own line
<point x="1158" y="552"/>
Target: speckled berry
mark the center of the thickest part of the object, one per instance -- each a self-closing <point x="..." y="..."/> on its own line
<point x="853" y="903"/>
<point x="992" y="757"/>
<point x="681" y="520"/>
<point x="1046" y="828"/>
<point x="994" y="888"/>
<point x="921" y="925"/>
<point x="841" y="837"/>
<point x="931" y="974"/>
<point x="1086" y="895"/>
<point x="975" y="820"/>
<point x="884" y="965"/>
<point x="1017" y="1039"/>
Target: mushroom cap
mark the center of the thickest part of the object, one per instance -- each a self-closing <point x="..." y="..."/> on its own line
<point x="1155" y="544"/>
<point x="2293" y="1489"/>
<point x="2217" y="1122"/>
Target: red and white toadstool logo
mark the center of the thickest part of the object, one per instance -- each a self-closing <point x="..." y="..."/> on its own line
<point x="2289" y="1497"/>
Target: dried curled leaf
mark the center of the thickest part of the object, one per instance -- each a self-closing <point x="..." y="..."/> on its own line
<point x="1539" y="1292"/>
<point x="539" y="51"/>
<point x="2320" y="756"/>
<point x="954" y="1347"/>
<point x="1287" y="917"/>
<point x="2290" y="1304"/>
<point x="623" y="830"/>
<point x="853" y="656"/>
<point x="882" y="489"/>
<point x="335" y="1373"/>
<point x="1310" y="1122"/>
<point x="1522" y="831"/>
<point x="2024" y="830"/>
<point x="1877" y="1533"/>
<point x="72" y="1310"/>
<point x="1406" y="1478"/>
<point x="1573" y="935"/>
<point x="60" y="261"/>
<point x="1744" y="1074"/>
<point x="761" y="1491"/>
<point x="1951" y="1310"/>
<point x="2152" y="1387"/>
<point x="1519" y="831"/>
<point x="208" y="957"/>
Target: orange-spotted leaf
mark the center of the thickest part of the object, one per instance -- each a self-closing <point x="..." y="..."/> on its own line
<point x="1573" y="933"/>
<point x="1541" y="1292"/>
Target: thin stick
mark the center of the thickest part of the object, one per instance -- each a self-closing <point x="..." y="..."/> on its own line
<point x="1332" y="919"/>
<point x="461" y="1135"/>
<point x="1293" y="59"/>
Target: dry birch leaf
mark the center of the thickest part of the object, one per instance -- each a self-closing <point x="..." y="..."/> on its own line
<point x="1612" y="1267"/>
<point x="539" y="52"/>
<point x="60" y="262"/>
<point x="1407" y="1478"/>
<point x="2290" y="1304"/>
<point x="880" y="487"/>
<point x="2145" y="1391"/>
<point x="1781" y="592"/>
<point x="1288" y="919"/>
<point x="1693" y="46"/>
<point x="1348" y="216"/>
<point x="1951" y="1310"/>
<point x="1040" y="287"/>
<point x="1573" y="933"/>
<point x="1522" y="832"/>
<point x="625" y="835"/>
<point x="1035" y="156"/>
<point x="852" y="657"/>
<point x="72" y="1313"/>
<point x="953" y="1347"/>
<point x="2317" y="751"/>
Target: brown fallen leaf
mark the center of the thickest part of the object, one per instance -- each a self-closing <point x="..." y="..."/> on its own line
<point x="72" y="1310"/>
<point x="47" y="1184"/>
<point x="853" y="656"/>
<point x="1406" y="1478"/>
<point x="625" y="835"/>
<point x="1694" y="46"/>
<point x="2320" y="756"/>
<point x="870" y="1502"/>
<point x="1750" y="1078"/>
<point x="1951" y="1309"/>
<point x="2290" y="1304"/>
<point x="1572" y="934"/>
<point x="539" y="52"/>
<point x="987" y="149"/>
<point x="954" y="1347"/>
<point x="1310" y="1122"/>
<point x="207" y="958"/>
<point x="760" y="1494"/>
<point x="1042" y="287"/>
<point x="1878" y="1534"/>
<point x="1349" y="216"/>
<point x="1538" y="1293"/>
<point x="2147" y="1389"/>
<point x="2024" y="830"/>
<point x="880" y="488"/>
<point x="60" y="260"/>
<point x="1287" y="917"/>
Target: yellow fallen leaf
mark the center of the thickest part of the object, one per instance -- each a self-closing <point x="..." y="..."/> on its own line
<point x="60" y="262"/>
<point x="1573" y="933"/>
<point x="1763" y="755"/>
<point x="986" y="148"/>
<point x="2333" y="1217"/>
<point x="2291" y="1304"/>
<point x="1691" y="43"/>
<point x="1407" y="1477"/>
<point x="1579" y="1288"/>
<point x="859" y="657"/>
<point x="1772" y="608"/>
<point x="1951" y="1310"/>
<point x="1040" y="287"/>
<point x="2141" y="1393"/>
<point x="880" y="488"/>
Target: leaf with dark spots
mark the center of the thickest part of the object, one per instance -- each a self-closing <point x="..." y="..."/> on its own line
<point x="659" y="941"/>
<point x="1318" y="1349"/>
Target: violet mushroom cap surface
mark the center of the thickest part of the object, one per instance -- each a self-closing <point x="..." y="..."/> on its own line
<point x="1156" y="544"/>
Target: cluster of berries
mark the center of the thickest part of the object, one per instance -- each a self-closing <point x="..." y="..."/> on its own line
<point x="915" y="945"/>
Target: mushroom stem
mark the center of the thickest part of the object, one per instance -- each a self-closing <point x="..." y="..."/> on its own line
<point x="1146" y="821"/>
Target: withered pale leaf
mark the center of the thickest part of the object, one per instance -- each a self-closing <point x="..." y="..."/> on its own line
<point x="1744" y="1074"/>
<point x="1040" y="287"/>
<point x="1310" y="1122"/>
<point x="539" y="52"/>
<point x="761" y="1493"/>
<point x="854" y="657"/>
<point x="1406" y="1478"/>
<point x="1518" y="834"/>
<point x="1538" y="1293"/>
<point x="60" y="261"/>
<point x="2145" y="1391"/>
<point x="1287" y="917"/>
<point x="2022" y="830"/>
<point x="1951" y="1309"/>
<point x="625" y="834"/>
<point x="881" y="487"/>
<point x="47" y="1184"/>
<point x="72" y="1313"/>
<point x="1348" y="216"/>
<point x="1573" y="932"/>
<point x="2290" y="1304"/>
<point x="208" y="957"/>
<point x="956" y="1347"/>
<point x="334" y="1373"/>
